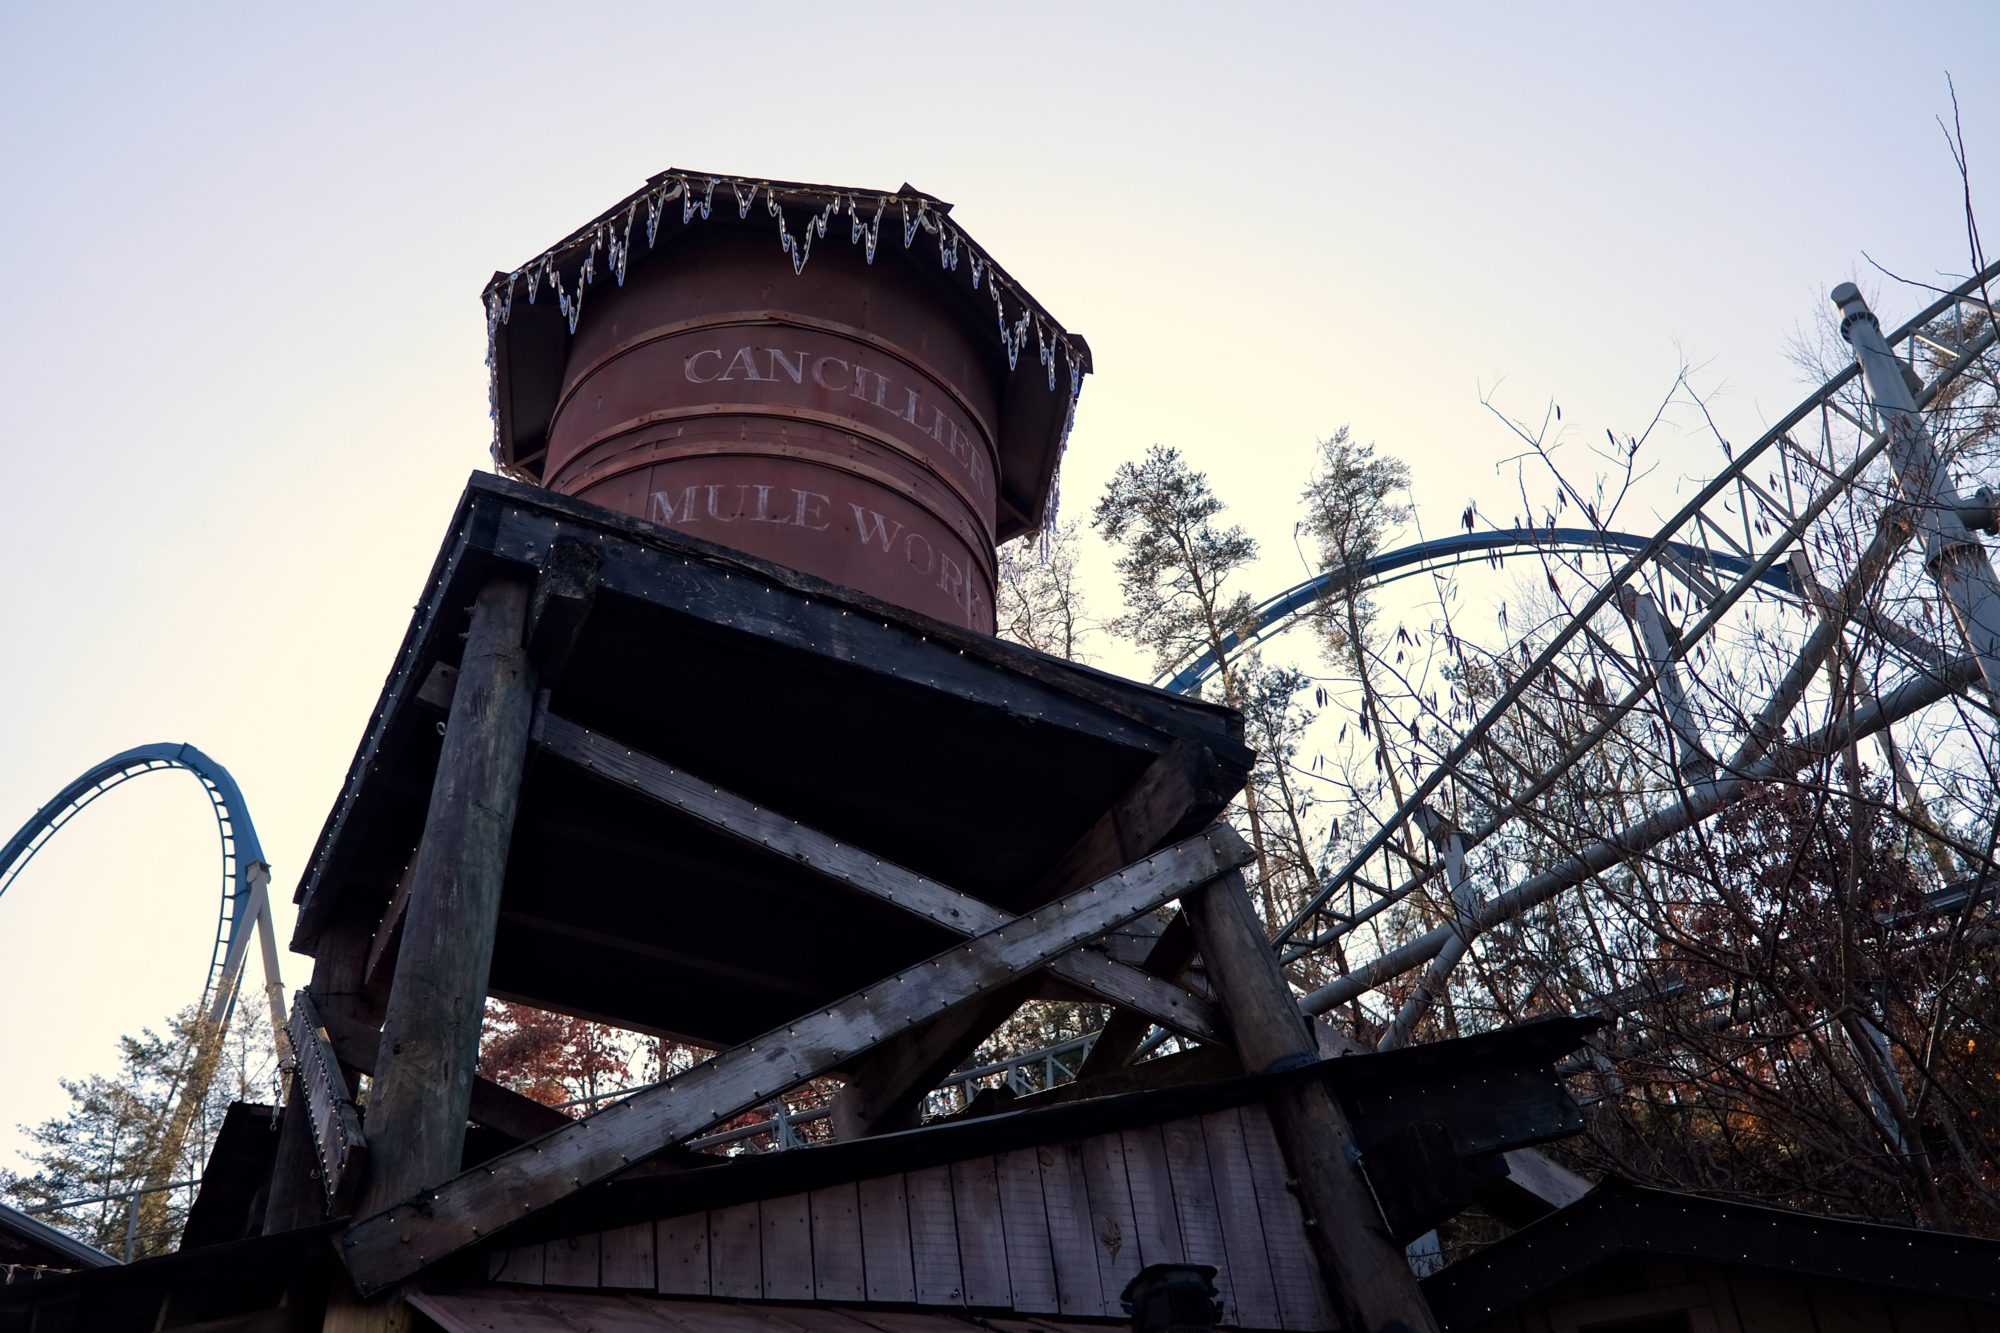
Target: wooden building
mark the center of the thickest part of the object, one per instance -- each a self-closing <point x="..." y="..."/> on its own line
<point x="808" y="813"/>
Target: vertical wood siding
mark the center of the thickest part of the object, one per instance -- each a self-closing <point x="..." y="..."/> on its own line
<point x="1054" y="1230"/>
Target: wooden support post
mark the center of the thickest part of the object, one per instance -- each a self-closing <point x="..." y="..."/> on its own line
<point x="1366" y="1272"/>
<point x="563" y="597"/>
<point x="1125" y="1030"/>
<point x="430" y="1037"/>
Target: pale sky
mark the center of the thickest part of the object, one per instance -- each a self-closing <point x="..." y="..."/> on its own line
<point x="243" y="375"/>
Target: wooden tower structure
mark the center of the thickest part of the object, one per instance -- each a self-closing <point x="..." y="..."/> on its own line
<point x="699" y="728"/>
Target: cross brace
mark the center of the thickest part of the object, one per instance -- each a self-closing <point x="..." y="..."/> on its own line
<point x="746" y="822"/>
<point x="402" y="1240"/>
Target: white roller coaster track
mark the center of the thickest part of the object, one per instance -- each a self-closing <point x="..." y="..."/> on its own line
<point x="1798" y="489"/>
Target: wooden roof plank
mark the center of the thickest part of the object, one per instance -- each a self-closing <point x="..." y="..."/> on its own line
<point x="491" y="1310"/>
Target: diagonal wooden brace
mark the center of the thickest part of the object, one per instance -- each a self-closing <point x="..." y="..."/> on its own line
<point x="1160" y="1000"/>
<point x="401" y="1241"/>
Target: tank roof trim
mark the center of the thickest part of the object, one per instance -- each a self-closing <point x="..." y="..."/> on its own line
<point x="801" y="212"/>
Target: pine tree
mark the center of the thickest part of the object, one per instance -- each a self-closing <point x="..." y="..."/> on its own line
<point x="1350" y="508"/>
<point x="114" y="1137"/>
<point x="1174" y="569"/>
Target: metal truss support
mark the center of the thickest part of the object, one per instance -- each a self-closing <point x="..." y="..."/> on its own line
<point x="1953" y="557"/>
<point x="1691" y="761"/>
<point x="1445" y="836"/>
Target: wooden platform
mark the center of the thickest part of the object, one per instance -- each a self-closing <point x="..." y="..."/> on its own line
<point x="976" y="762"/>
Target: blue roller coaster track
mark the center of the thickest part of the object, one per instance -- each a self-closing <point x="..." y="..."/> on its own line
<point x="243" y="865"/>
<point x="1276" y="614"/>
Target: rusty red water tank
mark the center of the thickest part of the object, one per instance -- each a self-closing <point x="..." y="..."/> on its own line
<point x="836" y="380"/>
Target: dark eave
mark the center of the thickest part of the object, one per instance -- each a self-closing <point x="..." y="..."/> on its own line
<point x="245" y="1266"/>
<point x="1618" y="1218"/>
<point x="39" y="1243"/>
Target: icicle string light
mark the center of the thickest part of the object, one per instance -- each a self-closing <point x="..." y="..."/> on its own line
<point x="611" y="236"/>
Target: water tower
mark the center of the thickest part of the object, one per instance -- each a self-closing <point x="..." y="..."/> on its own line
<point x="840" y="382"/>
<point x="700" y="728"/>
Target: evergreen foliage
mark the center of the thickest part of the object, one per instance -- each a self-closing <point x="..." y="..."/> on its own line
<point x="110" y="1139"/>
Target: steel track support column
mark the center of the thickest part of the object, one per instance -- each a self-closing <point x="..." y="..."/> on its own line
<point x="1953" y="557"/>
<point x="267" y="944"/>
<point x="430" y="1036"/>
<point x="1691" y="761"/>
<point x="1445" y="836"/>
<point x="1366" y="1272"/>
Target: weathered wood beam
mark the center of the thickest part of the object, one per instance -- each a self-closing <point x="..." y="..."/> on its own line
<point x="886" y="1087"/>
<point x="1124" y="1031"/>
<point x="422" y="1091"/>
<point x="341" y="1149"/>
<point x="1133" y="942"/>
<point x="1181" y="791"/>
<point x="295" y="1198"/>
<point x="822" y="623"/>
<point x="400" y="1241"/>
<point x="564" y="592"/>
<point x="1366" y="1274"/>
<point x="860" y="871"/>
<point x="1186" y="783"/>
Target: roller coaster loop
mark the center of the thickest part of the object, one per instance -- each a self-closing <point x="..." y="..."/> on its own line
<point x="244" y="908"/>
